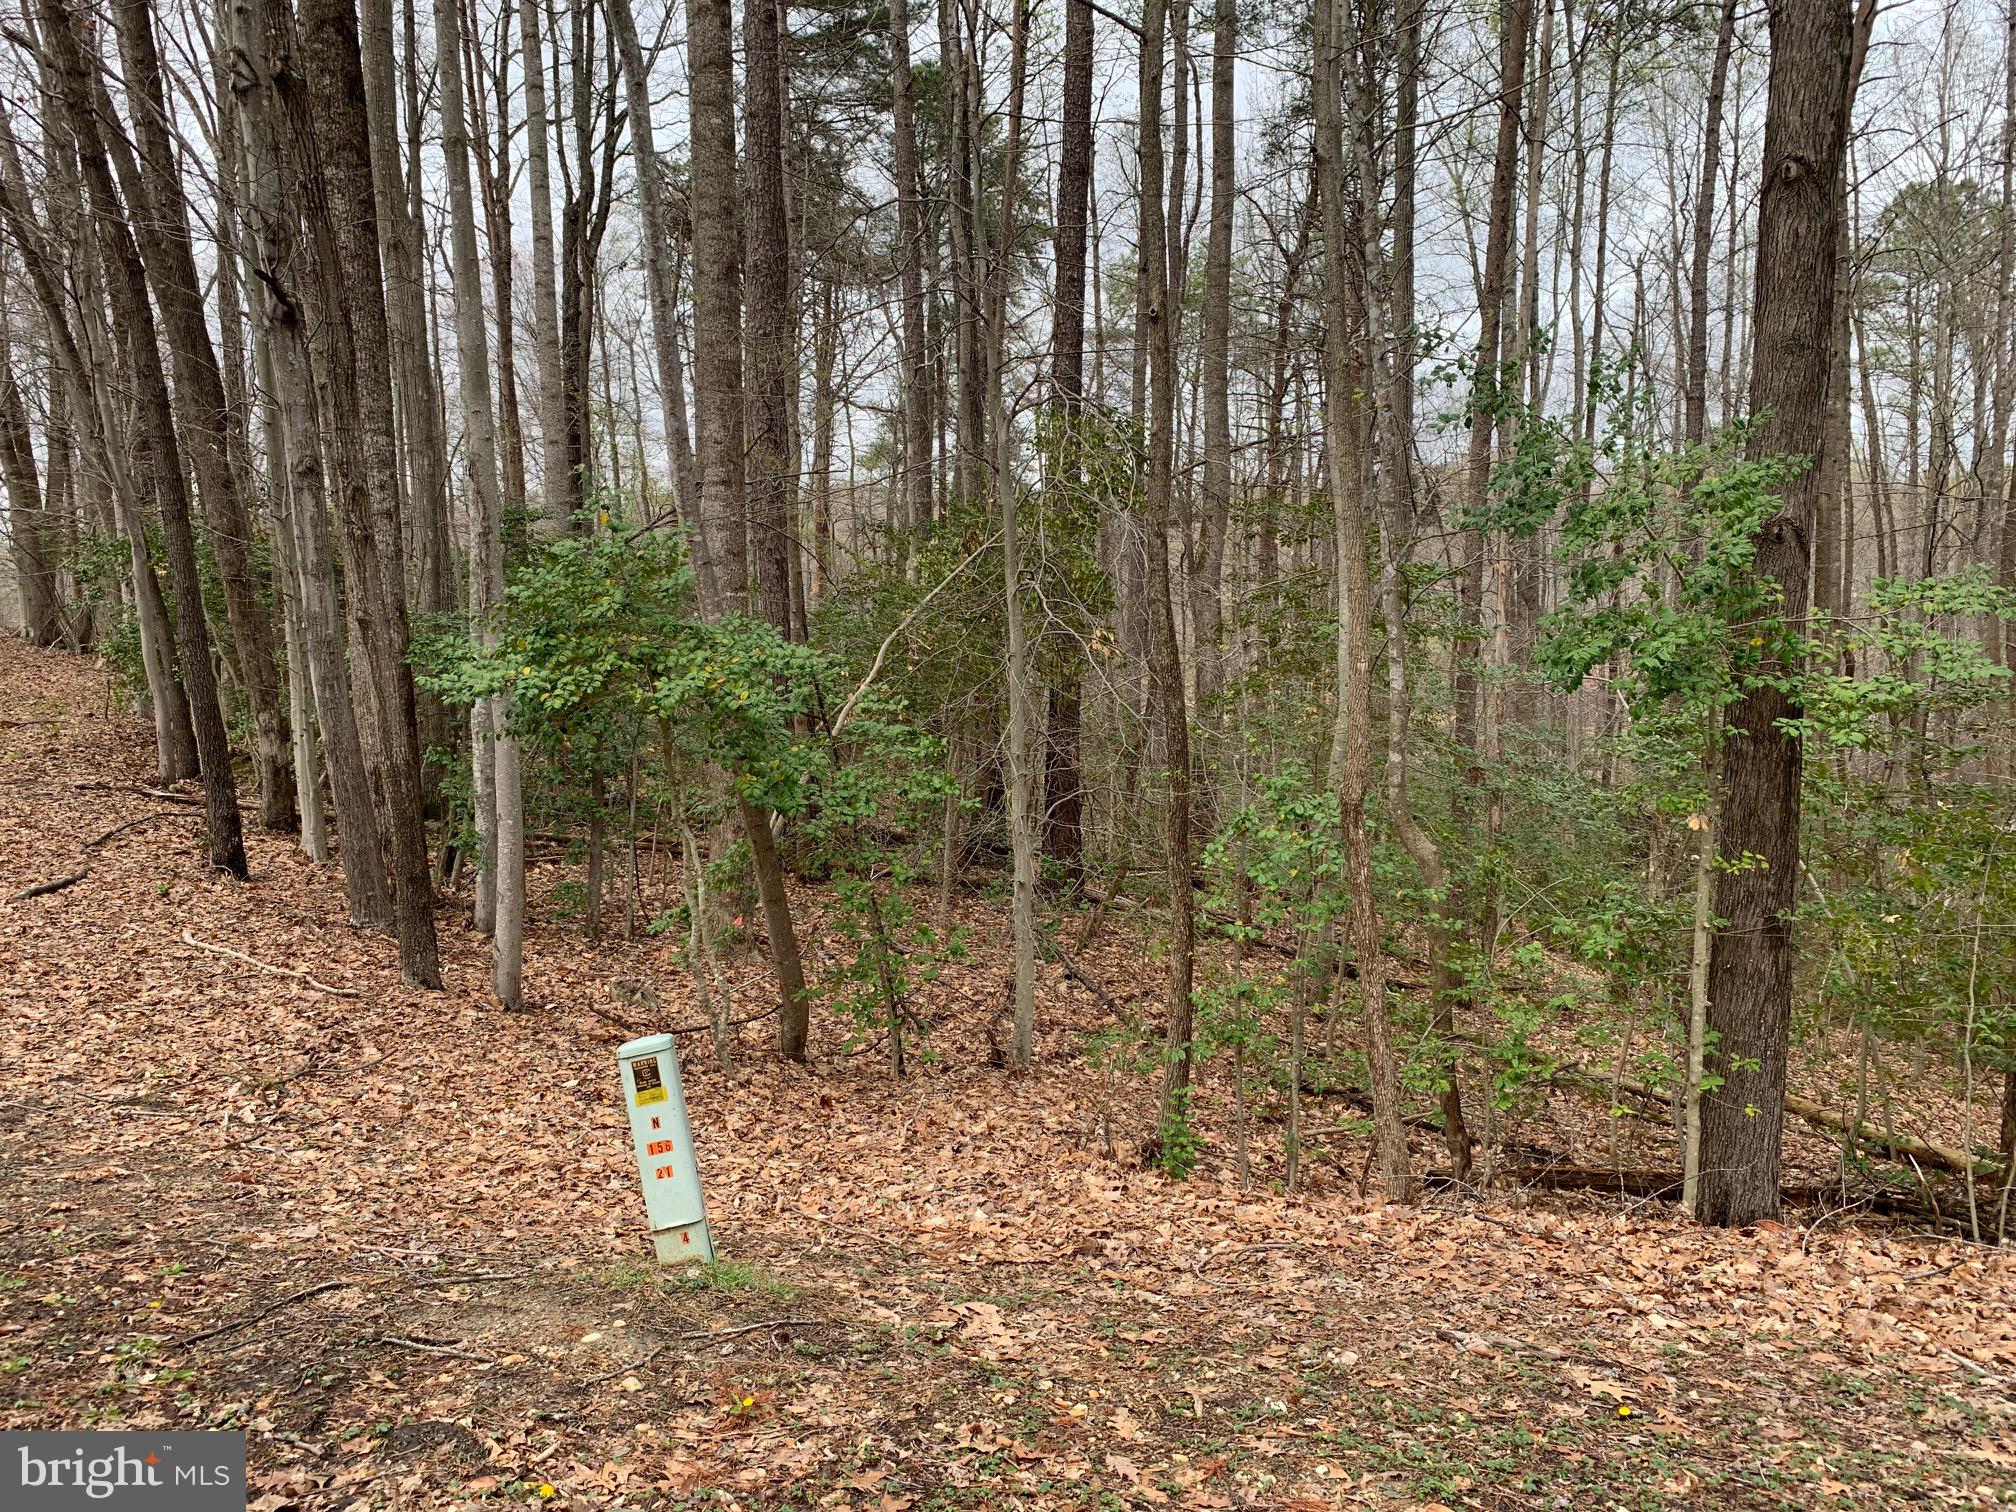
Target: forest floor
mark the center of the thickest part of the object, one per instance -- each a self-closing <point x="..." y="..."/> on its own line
<point x="396" y="1237"/>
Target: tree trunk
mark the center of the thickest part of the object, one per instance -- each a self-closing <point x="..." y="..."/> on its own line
<point x="282" y="317"/>
<point x="1215" y="380"/>
<point x="78" y="358"/>
<point x="1351" y="749"/>
<point x="1480" y="701"/>
<point x="910" y="253"/>
<point x="424" y="448"/>
<point x="771" y="359"/>
<point x="494" y="747"/>
<point x="317" y="82"/>
<point x="1751" y="966"/>
<point x="1704" y="230"/>
<point x="1017" y="763"/>
<point x="558" y="487"/>
<point x="717" y="296"/>
<point x="126" y="282"/>
<point x="662" y="291"/>
<point x="27" y="531"/>
<point x="162" y="232"/>
<point x="1158" y="338"/>
<point x="1063" y="774"/>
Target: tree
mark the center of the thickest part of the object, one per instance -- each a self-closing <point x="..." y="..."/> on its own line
<point x="316" y="80"/>
<point x="126" y="281"/>
<point x="493" y="743"/>
<point x="1158" y="299"/>
<point x="1750" y="972"/>
<point x="199" y="388"/>
<point x="1351" y="745"/>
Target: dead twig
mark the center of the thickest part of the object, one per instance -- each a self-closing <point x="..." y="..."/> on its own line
<point x="287" y="971"/>
<point x="41" y="889"/>
<point x="1077" y="974"/>
<point x="627" y="1366"/>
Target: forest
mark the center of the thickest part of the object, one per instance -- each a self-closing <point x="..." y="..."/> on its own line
<point x="1303" y="714"/>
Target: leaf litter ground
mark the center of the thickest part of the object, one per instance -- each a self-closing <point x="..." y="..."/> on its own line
<point x="396" y="1238"/>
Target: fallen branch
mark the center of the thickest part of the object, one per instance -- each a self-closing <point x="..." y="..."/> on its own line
<point x="1896" y="1146"/>
<point x="167" y="797"/>
<point x="426" y="1347"/>
<point x="1573" y="1178"/>
<point x="286" y="971"/>
<point x="626" y="1367"/>
<point x="882" y="651"/>
<point x="640" y="995"/>
<point x="42" y="889"/>
<point x="746" y="1328"/>
<point x="120" y="829"/>
<point x="328" y="1286"/>
<point x="1077" y="974"/>
<point x="264" y="1313"/>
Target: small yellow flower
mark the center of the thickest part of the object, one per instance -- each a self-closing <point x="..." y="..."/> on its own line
<point x="545" y="1489"/>
<point x="1624" y="1409"/>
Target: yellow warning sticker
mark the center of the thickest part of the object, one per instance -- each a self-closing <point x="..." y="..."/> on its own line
<point x="648" y="1081"/>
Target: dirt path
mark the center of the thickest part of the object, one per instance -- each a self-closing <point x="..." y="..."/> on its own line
<point x="396" y="1237"/>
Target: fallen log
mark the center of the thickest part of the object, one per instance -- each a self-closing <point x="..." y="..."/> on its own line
<point x="1899" y="1147"/>
<point x="1554" y="1177"/>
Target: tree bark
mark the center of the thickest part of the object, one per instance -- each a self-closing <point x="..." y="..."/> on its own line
<point x="662" y="292"/>
<point x="1063" y="774"/>
<point x="769" y="342"/>
<point x="27" y="531"/>
<point x="717" y="296"/>
<point x="493" y="744"/>
<point x="317" y="83"/>
<point x="1351" y="748"/>
<point x="126" y="282"/>
<point x="1751" y="965"/>
<point x="917" y="487"/>
<point x="282" y="317"/>
<point x="558" y="487"/>
<point x="204" y="417"/>
<point x="1158" y="337"/>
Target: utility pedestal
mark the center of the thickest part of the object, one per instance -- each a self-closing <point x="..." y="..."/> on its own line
<point x="649" y="1068"/>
